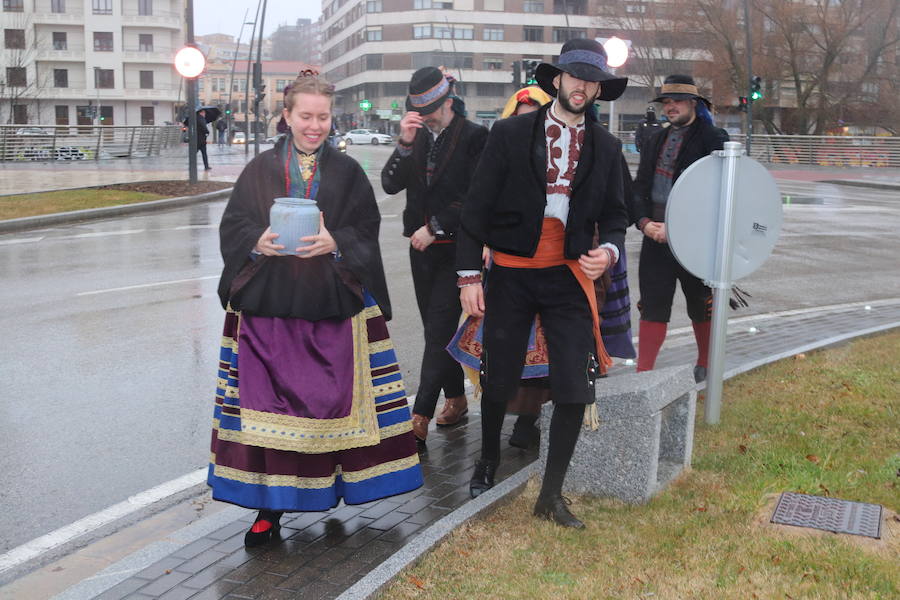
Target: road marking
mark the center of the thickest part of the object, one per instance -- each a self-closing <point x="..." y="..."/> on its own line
<point x="145" y="285"/>
<point x="209" y="226"/>
<point x="30" y="240"/>
<point x="90" y="523"/>
<point x="102" y="233"/>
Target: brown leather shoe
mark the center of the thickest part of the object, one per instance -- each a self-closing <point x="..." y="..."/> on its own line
<point x="454" y="410"/>
<point x="420" y="426"/>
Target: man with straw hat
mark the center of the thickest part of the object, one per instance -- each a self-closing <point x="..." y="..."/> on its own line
<point x="548" y="183"/>
<point x="690" y="136"/>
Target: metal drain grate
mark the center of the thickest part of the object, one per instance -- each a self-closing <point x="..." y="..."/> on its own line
<point x="829" y="514"/>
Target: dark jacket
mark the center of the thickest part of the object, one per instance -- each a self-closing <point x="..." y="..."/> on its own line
<point x="443" y="198"/>
<point x="309" y="288"/>
<point x="505" y="206"/>
<point x="202" y="131"/>
<point x="700" y="140"/>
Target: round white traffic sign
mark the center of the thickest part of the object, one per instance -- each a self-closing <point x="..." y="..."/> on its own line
<point x="189" y="62"/>
<point x="693" y="212"/>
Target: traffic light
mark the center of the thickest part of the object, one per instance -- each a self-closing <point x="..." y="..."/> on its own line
<point x="517" y="74"/>
<point x="756" y="88"/>
<point x="257" y="75"/>
<point x="530" y="66"/>
<point x="227" y="109"/>
<point x="742" y="103"/>
<point x="261" y="93"/>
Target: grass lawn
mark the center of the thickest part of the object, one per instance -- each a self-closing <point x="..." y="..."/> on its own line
<point x="827" y="423"/>
<point x="30" y="205"/>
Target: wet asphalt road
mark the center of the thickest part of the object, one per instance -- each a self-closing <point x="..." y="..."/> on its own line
<point x="111" y="328"/>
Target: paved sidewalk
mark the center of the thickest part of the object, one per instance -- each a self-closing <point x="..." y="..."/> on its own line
<point x="322" y="555"/>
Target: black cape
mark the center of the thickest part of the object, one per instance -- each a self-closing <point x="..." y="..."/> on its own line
<point x="307" y="288"/>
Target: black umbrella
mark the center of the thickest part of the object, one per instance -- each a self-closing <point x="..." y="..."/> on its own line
<point x="212" y="113"/>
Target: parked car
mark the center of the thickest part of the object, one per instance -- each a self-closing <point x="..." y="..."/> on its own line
<point x="367" y="136"/>
<point x="337" y="141"/>
<point x="32" y="131"/>
<point x="239" y="137"/>
<point x="274" y="139"/>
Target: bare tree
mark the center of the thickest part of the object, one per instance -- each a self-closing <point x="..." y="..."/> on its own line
<point x="20" y="79"/>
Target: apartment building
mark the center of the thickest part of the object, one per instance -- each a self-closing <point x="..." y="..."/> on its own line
<point x="301" y="41"/>
<point x="84" y="62"/>
<point x="372" y="47"/>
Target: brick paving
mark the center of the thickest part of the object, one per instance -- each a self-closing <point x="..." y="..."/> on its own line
<point x="323" y="554"/>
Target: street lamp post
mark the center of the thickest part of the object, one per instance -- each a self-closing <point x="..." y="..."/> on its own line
<point x="190" y="62"/>
<point x="616" y="55"/>
<point x="258" y="84"/>
<point x="237" y="50"/>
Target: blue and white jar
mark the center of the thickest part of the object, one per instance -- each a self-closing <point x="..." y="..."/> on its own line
<point x="292" y="219"/>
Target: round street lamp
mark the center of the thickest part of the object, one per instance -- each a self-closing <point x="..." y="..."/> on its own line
<point x="616" y="52"/>
<point x="190" y="62"/>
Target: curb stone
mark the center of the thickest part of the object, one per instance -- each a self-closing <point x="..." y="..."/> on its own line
<point x="90" y="214"/>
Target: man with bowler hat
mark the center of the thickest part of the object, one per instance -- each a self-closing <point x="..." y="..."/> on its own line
<point x="549" y="183"/>
<point x="434" y="160"/>
<point x="690" y="136"/>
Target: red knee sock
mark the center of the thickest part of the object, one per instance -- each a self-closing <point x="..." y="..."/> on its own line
<point x="651" y="336"/>
<point x="701" y="334"/>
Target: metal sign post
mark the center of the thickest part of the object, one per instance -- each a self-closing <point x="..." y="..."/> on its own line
<point x="723" y="218"/>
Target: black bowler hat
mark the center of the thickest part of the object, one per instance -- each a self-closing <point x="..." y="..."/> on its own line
<point x="680" y="87"/>
<point x="428" y="89"/>
<point x="586" y="60"/>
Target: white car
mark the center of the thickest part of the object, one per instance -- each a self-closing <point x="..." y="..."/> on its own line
<point x="239" y="138"/>
<point x="367" y="136"/>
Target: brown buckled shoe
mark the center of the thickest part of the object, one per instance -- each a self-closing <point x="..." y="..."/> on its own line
<point x="455" y="408"/>
<point x="420" y="429"/>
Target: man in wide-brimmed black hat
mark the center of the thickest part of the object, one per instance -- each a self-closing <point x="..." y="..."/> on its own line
<point x="434" y="161"/>
<point x="549" y="183"/>
<point x="664" y="156"/>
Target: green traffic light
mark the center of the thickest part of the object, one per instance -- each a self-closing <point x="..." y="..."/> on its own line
<point x="756" y="95"/>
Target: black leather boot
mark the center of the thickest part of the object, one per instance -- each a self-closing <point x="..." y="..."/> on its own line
<point x="265" y="528"/>
<point x="483" y="477"/>
<point x="555" y="508"/>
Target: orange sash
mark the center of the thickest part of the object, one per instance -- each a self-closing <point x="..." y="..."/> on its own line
<point x="550" y="254"/>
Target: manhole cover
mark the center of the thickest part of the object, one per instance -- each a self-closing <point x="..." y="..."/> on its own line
<point x="828" y="514"/>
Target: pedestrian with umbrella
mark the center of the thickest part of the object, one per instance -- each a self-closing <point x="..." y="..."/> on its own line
<point x="205" y="115"/>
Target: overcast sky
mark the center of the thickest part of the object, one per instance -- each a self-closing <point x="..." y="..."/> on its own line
<point x="224" y="16"/>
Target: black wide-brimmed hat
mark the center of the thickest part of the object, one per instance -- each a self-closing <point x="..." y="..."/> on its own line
<point x="586" y="60"/>
<point x="428" y="89"/>
<point x="680" y="87"/>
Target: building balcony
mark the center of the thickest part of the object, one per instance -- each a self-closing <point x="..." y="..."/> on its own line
<point x="165" y="95"/>
<point x="60" y="55"/>
<point x="164" y="20"/>
<point x="66" y="18"/>
<point x="158" y="55"/>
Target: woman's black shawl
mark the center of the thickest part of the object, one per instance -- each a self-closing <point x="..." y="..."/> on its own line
<point x="306" y="288"/>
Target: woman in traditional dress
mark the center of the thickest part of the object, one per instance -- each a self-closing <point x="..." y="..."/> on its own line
<point x="310" y="403"/>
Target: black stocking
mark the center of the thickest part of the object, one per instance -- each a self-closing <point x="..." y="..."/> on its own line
<point x="564" y="428"/>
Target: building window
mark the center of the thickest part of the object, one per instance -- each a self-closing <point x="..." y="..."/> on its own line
<point x="62" y="114"/>
<point x="463" y="32"/>
<point x="60" y="40"/>
<point x="373" y="6"/>
<point x="451" y="60"/>
<point x="570" y="7"/>
<point x="61" y="78"/>
<point x="146" y="80"/>
<point x="533" y="6"/>
<point x="425" y="4"/>
<point x="58" y="6"/>
<point x="635" y="8"/>
<point x="147" y="116"/>
<point x="103" y="41"/>
<point x="373" y="34"/>
<point x="442" y="32"/>
<point x="421" y="32"/>
<point x="490" y="89"/>
<point x="102" y="7"/>
<point x="492" y="63"/>
<point x="145" y="8"/>
<point x="14" y="39"/>
<point x="104" y="78"/>
<point x="13" y="6"/>
<point x="564" y="34"/>
<point x="20" y="114"/>
<point x="145" y="42"/>
<point x="374" y="62"/>
<point x="16" y="77"/>
<point x="534" y="34"/>
<point x="493" y="34"/>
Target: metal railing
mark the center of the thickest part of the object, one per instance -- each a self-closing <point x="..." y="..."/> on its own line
<point x="817" y="150"/>
<point x="85" y="142"/>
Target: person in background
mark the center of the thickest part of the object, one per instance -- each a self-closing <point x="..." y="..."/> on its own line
<point x="202" y="134"/>
<point x="646" y="128"/>
<point x="222" y="129"/>
<point x="690" y="136"/>
<point x="434" y="160"/>
<point x="315" y="411"/>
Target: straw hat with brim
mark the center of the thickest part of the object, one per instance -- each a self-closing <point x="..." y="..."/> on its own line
<point x="680" y="87"/>
<point x="585" y="60"/>
<point x="428" y="89"/>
